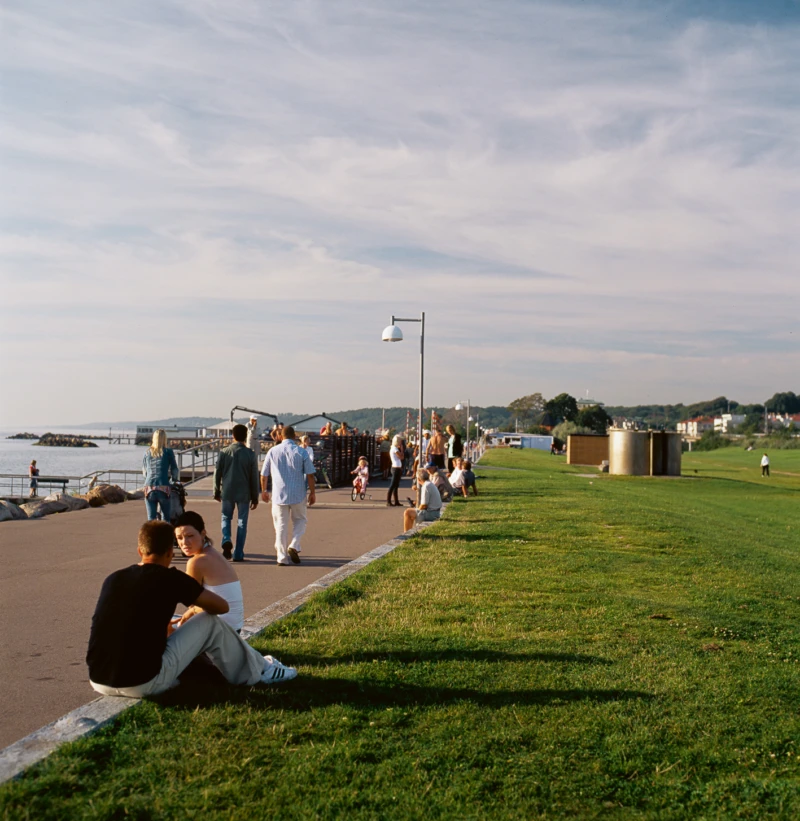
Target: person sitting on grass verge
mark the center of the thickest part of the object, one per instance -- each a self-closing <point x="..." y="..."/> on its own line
<point x="441" y="481"/>
<point x="209" y="568"/>
<point x="468" y="477"/>
<point x="430" y="503"/>
<point x="131" y="651"/>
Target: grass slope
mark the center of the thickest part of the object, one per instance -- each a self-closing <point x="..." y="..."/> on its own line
<point x="562" y="646"/>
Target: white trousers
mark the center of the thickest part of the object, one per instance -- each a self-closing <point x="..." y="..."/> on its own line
<point x="203" y="633"/>
<point x="281" y="514"/>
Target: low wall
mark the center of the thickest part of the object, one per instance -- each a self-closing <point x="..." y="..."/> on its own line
<point x="587" y="449"/>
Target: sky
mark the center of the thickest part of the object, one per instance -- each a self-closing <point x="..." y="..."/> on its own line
<point x="206" y="203"/>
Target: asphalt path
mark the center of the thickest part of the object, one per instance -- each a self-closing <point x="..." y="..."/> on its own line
<point x="52" y="570"/>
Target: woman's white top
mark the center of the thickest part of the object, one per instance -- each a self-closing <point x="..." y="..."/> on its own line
<point x="397" y="462"/>
<point x="232" y="593"/>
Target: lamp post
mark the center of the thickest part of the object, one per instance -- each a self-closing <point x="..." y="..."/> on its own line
<point x="459" y="406"/>
<point x="391" y="333"/>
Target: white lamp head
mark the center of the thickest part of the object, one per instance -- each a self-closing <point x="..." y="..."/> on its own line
<point x="459" y="406"/>
<point x="391" y="333"/>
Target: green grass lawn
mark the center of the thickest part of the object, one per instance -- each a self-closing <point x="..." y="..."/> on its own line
<point x="562" y="646"/>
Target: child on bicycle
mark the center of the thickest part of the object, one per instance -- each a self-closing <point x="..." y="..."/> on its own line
<point x="362" y="474"/>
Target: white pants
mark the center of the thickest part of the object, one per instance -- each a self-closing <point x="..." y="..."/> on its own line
<point x="280" y="516"/>
<point x="203" y="633"/>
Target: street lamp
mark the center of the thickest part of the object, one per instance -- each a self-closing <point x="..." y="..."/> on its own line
<point x="391" y="333"/>
<point x="459" y="406"/>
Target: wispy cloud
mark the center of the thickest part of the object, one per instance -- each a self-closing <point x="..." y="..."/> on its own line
<point x="578" y="194"/>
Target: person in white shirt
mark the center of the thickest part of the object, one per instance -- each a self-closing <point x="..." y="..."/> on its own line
<point x="396" y="455"/>
<point x="253" y="441"/>
<point x="429" y="508"/>
<point x="765" y="465"/>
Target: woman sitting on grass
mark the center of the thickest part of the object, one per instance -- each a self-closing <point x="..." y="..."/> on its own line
<point x="209" y="568"/>
<point x="430" y="503"/>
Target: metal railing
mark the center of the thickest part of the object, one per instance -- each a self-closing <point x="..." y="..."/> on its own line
<point x="193" y="464"/>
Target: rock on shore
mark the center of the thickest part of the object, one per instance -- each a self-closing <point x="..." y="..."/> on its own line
<point x="105" y="495"/>
<point x="60" y="440"/>
<point x="10" y="512"/>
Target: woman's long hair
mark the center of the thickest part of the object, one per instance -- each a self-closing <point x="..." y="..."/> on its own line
<point x="159" y="443"/>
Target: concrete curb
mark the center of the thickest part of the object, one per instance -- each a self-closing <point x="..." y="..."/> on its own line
<point x="20" y="755"/>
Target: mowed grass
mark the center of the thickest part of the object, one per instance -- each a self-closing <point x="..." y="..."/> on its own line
<point x="562" y="646"/>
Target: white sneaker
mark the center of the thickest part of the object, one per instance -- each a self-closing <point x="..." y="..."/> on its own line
<point x="276" y="673"/>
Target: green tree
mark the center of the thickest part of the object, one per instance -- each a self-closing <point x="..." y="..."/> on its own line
<point x="786" y="402"/>
<point x="594" y="418"/>
<point x="563" y="407"/>
<point x="526" y="406"/>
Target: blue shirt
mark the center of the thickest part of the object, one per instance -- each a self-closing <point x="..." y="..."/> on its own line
<point x="288" y="464"/>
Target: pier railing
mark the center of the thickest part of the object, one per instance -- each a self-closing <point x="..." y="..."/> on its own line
<point x="193" y="464"/>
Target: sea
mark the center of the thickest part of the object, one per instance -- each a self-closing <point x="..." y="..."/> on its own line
<point x="16" y="454"/>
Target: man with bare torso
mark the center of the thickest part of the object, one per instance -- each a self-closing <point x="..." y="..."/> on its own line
<point x="436" y="449"/>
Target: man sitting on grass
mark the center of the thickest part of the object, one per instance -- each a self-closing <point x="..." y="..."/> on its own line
<point x="130" y="653"/>
<point x="429" y="508"/>
<point x="441" y="481"/>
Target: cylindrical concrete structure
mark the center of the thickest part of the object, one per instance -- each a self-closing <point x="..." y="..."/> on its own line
<point x="673" y="451"/>
<point x="629" y="452"/>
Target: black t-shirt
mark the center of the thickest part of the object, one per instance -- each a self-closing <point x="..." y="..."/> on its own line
<point x="129" y="626"/>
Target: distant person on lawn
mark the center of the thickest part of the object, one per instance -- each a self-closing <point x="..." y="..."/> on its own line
<point x="131" y="651"/>
<point x="236" y="486"/>
<point x="765" y="465"/>
<point x="292" y="471"/>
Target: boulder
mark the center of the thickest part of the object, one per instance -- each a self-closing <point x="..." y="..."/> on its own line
<point x="35" y="510"/>
<point x="9" y="512"/>
<point x="72" y="502"/>
<point x="105" y="495"/>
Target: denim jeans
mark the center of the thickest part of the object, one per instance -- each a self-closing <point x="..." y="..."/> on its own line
<point x="243" y="512"/>
<point x="154" y="500"/>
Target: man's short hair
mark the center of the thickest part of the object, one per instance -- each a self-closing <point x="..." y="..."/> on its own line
<point x="288" y="432"/>
<point x="156" y="538"/>
<point x="423" y="476"/>
<point x="239" y="433"/>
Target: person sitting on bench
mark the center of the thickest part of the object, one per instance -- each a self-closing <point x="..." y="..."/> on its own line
<point x="132" y="650"/>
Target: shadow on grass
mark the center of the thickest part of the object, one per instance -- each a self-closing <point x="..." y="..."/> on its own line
<point x="412" y="657"/>
<point x="311" y="693"/>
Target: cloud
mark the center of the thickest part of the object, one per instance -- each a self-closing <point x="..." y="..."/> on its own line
<point x="575" y="193"/>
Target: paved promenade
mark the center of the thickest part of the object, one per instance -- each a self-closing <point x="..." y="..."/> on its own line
<point x="52" y="569"/>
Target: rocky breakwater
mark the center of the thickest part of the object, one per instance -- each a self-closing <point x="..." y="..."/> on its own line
<point x="63" y="440"/>
<point x="98" y="496"/>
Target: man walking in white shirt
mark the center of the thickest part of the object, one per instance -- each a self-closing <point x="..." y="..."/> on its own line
<point x="290" y="466"/>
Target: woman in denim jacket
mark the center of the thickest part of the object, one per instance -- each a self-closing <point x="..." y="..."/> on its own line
<point x="159" y="467"/>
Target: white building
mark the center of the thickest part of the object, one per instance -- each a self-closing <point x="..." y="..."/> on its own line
<point x="695" y="427"/>
<point x="173" y="432"/>
<point x="728" y="421"/>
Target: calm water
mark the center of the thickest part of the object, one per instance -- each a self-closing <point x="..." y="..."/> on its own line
<point x="16" y="455"/>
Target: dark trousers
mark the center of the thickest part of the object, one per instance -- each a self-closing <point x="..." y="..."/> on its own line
<point x="397" y="474"/>
<point x="765" y="470"/>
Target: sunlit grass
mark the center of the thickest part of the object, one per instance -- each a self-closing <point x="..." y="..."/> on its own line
<point x="558" y="647"/>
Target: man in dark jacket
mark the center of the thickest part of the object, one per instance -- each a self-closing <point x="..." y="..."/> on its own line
<point x="236" y="485"/>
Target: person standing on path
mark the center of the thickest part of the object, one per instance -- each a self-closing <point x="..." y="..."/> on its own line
<point x="455" y="448"/>
<point x="160" y="468"/>
<point x="396" y="455"/>
<point x="290" y="467"/>
<point x="253" y="441"/>
<point x="436" y="450"/>
<point x="765" y="465"/>
<point x="236" y="486"/>
<point x="33" y="473"/>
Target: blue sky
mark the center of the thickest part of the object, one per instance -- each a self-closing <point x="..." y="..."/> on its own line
<point x="213" y="203"/>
